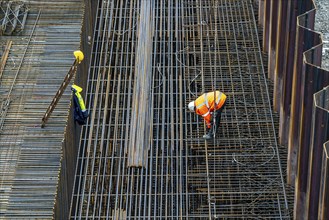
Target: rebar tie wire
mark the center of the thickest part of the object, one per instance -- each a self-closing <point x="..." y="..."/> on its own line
<point x="200" y="71"/>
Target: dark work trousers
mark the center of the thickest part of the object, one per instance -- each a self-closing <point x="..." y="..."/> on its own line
<point x="218" y="115"/>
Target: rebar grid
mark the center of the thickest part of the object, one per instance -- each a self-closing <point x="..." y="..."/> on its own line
<point x="30" y="158"/>
<point x="198" y="46"/>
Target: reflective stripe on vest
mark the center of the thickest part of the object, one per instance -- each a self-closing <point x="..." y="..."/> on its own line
<point x="81" y="102"/>
<point x="205" y="115"/>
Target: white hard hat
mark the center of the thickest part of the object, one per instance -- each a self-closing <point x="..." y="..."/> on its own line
<point x="191" y="106"/>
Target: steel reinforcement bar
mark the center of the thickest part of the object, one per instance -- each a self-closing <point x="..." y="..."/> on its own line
<point x="141" y="123"/>
<point x="198" y="46"/>
<point x="30" y="157"/>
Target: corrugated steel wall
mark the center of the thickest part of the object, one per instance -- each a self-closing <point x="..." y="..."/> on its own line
<point x="73" y="130"/>
<point x="315" y="161"/>
<point x="324" y="188"/>
<point x="295" y="54"/>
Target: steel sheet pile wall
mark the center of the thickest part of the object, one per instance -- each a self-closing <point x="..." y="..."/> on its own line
<point x="315" y="160"/>
<point x="297" y="76"/>
<point x="30" y="157"/>
<point x="324" y="188"/>
<point x="197" y="46"/>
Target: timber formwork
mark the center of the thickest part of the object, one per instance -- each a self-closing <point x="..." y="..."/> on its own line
<point x="197" y="46"/>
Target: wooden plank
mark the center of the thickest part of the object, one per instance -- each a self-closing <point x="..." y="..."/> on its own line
<point x="5" y="57"/>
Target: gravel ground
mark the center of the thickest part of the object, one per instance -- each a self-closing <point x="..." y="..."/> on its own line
<point x="322" y="25"/>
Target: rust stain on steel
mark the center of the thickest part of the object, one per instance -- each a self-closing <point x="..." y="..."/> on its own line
<point x="280" y="53"/>
<point x="287" y="65"/>
<point x="272" y="38"/>
<point x="267" y="17"/>
<point x="319" y="135"/>
<point x="304" y="41"/>
<point x="324" y="184"/>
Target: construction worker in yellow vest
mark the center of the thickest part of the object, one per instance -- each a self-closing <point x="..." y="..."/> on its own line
<point x="205" y="106"/>
<point x="80" y="111"/>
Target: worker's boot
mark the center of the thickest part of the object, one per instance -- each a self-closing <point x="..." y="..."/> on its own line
<point x="209" y="135"/>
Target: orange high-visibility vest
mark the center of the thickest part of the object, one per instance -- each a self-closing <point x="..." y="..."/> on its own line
<point x="204" y="105"/>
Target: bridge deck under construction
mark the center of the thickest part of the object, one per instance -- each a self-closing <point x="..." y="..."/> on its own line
<point x="196" y="46"/>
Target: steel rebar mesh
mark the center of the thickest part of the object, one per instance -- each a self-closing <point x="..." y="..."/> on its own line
<point x="198" y="46"/>
<point x="39" y="58"/>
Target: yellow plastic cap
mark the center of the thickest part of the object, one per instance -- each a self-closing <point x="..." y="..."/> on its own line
<point x="77" y="88"/>
<point x="78" y="55"/>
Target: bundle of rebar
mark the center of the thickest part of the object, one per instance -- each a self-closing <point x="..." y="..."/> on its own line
<point x="140" y="135"/>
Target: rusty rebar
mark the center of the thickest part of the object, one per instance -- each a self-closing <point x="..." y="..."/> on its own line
<point x="197" y="46"/>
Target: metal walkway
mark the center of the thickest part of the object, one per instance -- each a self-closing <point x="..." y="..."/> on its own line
<point x="195" y="43"/>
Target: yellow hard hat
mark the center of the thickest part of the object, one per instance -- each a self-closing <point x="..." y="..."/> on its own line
<point x="76" y="88"/>
<point x="78" y="55"/>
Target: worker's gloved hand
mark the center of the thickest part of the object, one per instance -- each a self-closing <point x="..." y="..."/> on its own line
<point x="215" y="114"/>
<point x="211" y="117"/>
<point x="209" y="125"/>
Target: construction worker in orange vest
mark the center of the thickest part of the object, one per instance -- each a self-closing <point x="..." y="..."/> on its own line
<point x="205" y="106"/>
